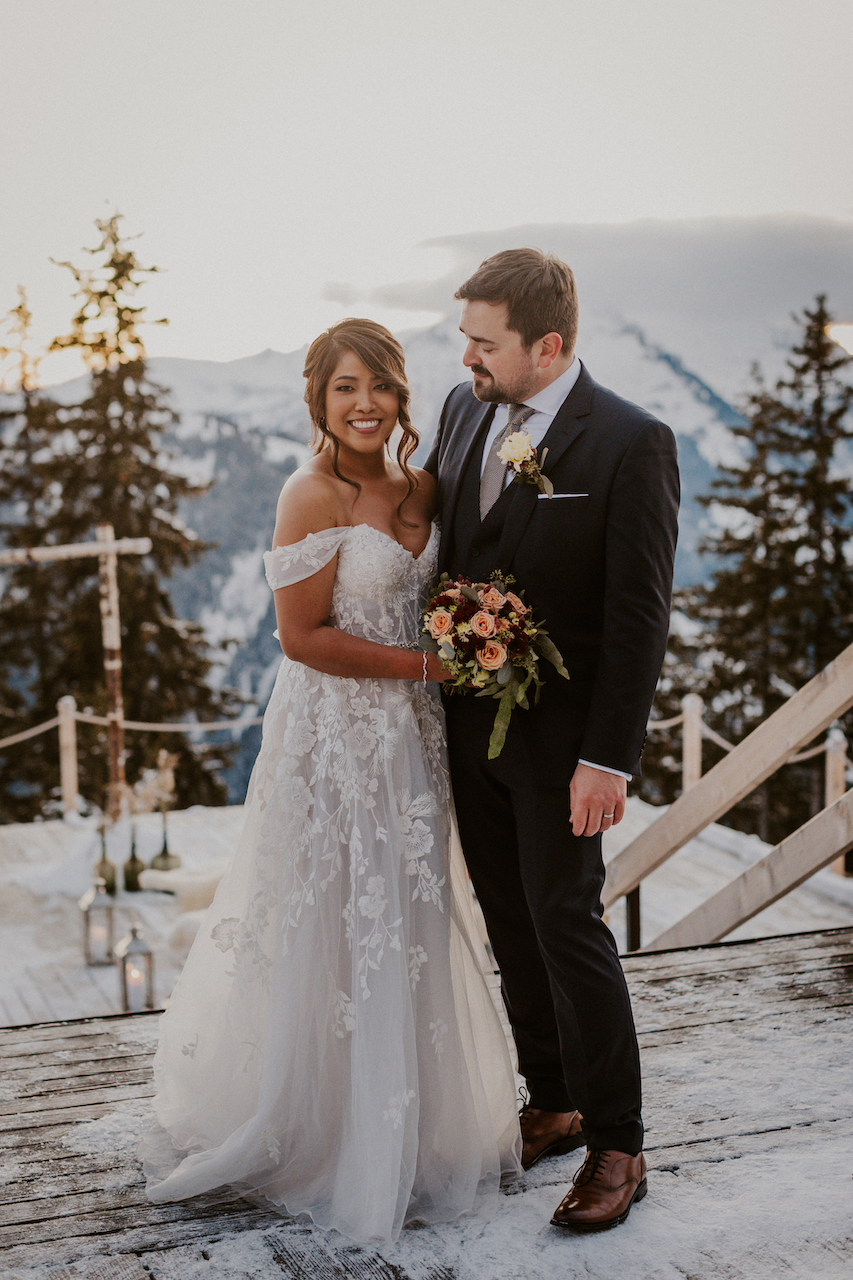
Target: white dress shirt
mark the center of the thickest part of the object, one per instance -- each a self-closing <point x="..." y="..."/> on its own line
<point x="545" y="403"/>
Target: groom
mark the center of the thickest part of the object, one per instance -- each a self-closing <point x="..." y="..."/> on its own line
<point x="595" y="564"/>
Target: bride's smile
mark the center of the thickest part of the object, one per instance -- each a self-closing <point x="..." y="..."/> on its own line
<point x="361" y="408"/>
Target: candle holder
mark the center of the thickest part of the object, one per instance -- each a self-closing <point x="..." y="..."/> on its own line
<point x="97" y="924"/>
<point x="105" y="869"/>
<point x="136" y="972"/>
<point x="164" y="860"/>
<point x="133" y="866"/>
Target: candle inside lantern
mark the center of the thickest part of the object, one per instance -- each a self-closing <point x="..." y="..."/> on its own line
<point x="136" y="969"/>
<point x="135" y="988"/>
<point x="98" y="943"/>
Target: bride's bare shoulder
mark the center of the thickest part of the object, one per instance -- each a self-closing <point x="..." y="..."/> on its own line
<point x="309" y="502"/>
<point x="426" y="493"/>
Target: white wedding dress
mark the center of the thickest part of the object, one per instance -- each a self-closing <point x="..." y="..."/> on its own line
<point x="331" y="1046"/>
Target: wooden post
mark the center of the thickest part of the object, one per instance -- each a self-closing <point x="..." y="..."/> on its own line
<point x="65" y="708"/>
<point x="111" y="632"/>
<point x="835" y="786"/>
<point x="691" y="740"/>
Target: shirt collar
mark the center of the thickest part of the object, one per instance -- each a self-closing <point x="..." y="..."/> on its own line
<point x="549" y="399"/>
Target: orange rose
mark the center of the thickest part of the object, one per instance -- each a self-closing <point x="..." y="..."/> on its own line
<point x="439" y="624"/>
<point x="483" y="624"/>
<point x="519" y="605"/>
<point x="492" y="599"/>
<point x="492" y="656"/>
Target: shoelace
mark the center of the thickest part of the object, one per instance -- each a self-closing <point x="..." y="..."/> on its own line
<point x="591" y="1170"/>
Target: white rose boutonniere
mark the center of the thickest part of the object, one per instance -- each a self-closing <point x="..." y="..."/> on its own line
<point x="517" y="451"/>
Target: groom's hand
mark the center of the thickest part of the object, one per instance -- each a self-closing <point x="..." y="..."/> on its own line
<point x="596" y="800"/>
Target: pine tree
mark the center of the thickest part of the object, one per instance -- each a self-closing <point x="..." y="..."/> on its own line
<point x="779" y="606"/>
<point x="67" y="468"/>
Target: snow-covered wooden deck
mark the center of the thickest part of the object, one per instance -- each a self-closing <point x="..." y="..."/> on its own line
<point x="749" y="1107"/>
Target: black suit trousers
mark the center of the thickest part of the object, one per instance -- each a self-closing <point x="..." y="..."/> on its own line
<point x="540" y="889"/>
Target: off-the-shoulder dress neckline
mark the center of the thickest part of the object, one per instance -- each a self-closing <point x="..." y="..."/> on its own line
<point x="390" y="537"/>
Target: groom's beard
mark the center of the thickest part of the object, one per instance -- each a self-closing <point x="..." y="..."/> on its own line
<point x="490" y="391"/>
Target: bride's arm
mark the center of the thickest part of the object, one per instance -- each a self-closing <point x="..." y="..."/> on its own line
<point x="302" y="610"/>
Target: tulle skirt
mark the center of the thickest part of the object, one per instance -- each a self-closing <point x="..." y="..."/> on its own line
<point x="332" y="1047"/>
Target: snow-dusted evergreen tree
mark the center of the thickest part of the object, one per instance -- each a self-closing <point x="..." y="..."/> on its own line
<point x="23" y="411"/>
<point x="66" y="469"/>
<point x="779" y="605"/>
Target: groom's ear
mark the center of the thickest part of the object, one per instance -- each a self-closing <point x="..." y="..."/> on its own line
<point x="550" y="347"/>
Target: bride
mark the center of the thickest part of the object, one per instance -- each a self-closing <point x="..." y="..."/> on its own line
<point x="331" y="1046"/>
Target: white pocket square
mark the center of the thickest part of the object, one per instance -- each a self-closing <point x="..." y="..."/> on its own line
<point x="561" y="495"/>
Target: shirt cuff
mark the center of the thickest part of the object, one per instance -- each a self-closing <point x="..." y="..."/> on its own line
<point x="605" y="769"/>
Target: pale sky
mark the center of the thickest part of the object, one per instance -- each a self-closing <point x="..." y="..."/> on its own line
<point x="270" y="149"/>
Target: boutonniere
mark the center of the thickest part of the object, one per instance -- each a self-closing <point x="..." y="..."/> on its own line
<point x="517" y="451"/>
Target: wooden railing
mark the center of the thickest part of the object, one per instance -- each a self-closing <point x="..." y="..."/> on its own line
<point x="775" y="742"/>
<point x="67" y="719"/>
<point x="704" y="799"/>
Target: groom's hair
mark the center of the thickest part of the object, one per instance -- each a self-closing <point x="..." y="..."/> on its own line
<point x="538" y="289"/>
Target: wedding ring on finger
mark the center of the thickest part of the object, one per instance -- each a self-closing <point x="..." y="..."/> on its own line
<point x="609" y="815"/>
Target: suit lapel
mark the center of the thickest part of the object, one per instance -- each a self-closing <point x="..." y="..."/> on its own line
<point x="475" y="432"/>
<point x="564" y="430"/>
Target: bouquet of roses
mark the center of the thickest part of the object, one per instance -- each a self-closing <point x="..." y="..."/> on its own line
<point x="485" y="635"/>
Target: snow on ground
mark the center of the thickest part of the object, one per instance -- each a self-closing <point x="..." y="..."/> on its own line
<point x="45" y="867"/>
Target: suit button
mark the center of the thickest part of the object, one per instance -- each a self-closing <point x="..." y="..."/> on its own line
<point x="475" y="551"/>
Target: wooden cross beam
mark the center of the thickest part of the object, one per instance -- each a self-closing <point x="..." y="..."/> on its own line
<point x="107" y="548"/>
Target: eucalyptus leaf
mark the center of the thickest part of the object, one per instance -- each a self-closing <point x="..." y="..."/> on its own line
<point x="502" y="718"/>
<point x="545" y="645"/>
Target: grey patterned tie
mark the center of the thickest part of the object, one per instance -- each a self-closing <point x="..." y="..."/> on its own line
<point x="494" y="472"/>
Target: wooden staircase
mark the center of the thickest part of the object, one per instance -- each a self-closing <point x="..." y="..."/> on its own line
<point x="825" y="838"/>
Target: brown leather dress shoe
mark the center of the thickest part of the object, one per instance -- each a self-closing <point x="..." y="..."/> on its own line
<point x="603" y="1190"/>
<point x="548" y="1133"/>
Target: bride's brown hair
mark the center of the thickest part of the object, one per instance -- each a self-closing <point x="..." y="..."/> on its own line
<point x="382" y="354"/>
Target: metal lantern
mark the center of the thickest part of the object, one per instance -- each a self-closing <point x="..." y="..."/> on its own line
<point x="136" y="969"/>
<point x="97" y="910"/>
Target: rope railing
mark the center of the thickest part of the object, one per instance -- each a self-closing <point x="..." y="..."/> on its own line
<point x="30" y="733"/>
<point x="209" y="726"/>
<point x="67" y="719"/>
<point x="192" y="726"/>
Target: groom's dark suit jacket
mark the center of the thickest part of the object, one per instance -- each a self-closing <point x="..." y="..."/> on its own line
<point x="595" y="565"/>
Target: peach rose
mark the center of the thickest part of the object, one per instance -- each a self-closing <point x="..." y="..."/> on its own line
<point x="492" y="598"/>
<point x="492" y="656"/>
<point x="519" y="605"/>
<point x="439" y="624"/>
<point x="483" y="624"/>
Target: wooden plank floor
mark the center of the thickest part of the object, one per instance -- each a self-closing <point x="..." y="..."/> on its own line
<point x="728" y="1035"/>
